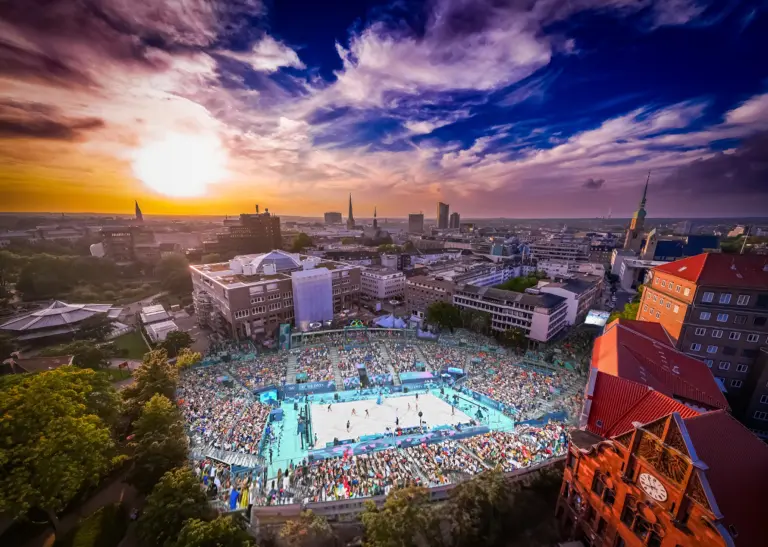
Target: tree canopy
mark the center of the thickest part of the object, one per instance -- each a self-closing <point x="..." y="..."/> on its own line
<point x="84" y="354"/>
<point x="223" y="531"/>
<point x="175" y="341"/>
<point x="519" y="284"/>
<point x="514" y="338"/>
<point x="95" y="328"/>
<point x="443" y="315"/>
<point x="187" y="358"/>
<point x="475" y="320"/>
<point x="173" y="273"/>
<point x="309" y="530"/>
<point x="301" y="242"/>
<point x="154" y="376"/>
<point x="176" y="498"/>
<point x="54" y="438"/>
<point x="405" y="520"/>
<point x="389" y="248"/>
<point x="160" y="442"/>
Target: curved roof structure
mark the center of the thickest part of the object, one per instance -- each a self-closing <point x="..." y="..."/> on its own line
<point x="59" y="317"/>
<point x="282" y="261"/>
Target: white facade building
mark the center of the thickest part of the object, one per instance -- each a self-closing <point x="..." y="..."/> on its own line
<point x="580" y="293"/>
<point x="382" y="283"/>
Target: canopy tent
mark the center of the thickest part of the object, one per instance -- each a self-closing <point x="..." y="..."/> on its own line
<point x="390" y="322"/>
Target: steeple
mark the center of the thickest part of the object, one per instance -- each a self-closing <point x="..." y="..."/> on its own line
<point x="139" y="216"/>
<point x="350" y="217"/>
<point x="636" y="232"/>
<point x="645" y="191"/>
<point x="375" y="222"/>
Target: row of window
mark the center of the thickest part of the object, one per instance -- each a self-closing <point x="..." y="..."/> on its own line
<point x="758" y="321"/>
<point x="725" y="298"/>
<point x="660" y="300"/>
<point x="717" y="333"/>
<point x="670" y="285"/>
<point x="726" y="365"/>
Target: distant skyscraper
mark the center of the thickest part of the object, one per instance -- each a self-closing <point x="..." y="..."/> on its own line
<point x="442" y="215"/>
<point x="455" y="221"/>
<point x="416" y="223"/>
<point x="333" y="218"/>
<point x="139" y="216"/>
<point x="375" y="222"/>
<point x="636" y="232"/>
<point x="350" y="218"/>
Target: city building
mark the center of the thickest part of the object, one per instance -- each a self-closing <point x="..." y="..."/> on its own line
<point x="442" y="215"/>
<point x="557" y="268"/>
<point x="632" y="271"/>
<point x="158" y="332"/>
<point x="715" y="307"/>
<point x="153" y="314"/>
<point x="601" y="253"/>
<point x="581" y="293"/>
<point x="382" y="283"/>
<point x="130" y="244"/>
<point x="421" y="291"/>
<point x="466" y="227"/>
<point x="416" y="223"/>
<point x="540" y="316"/>
<point x="350" y="217"/>
<point x="657" y="460"/>
<point x="739" y="230"/>
<point x="58" y="319"/>
<point x="636" y="233"/>
<point x="454" y="221"/>
<point x="249" y="296"/>
<point x="333" y="218"/>
<point x="668" y="249"/>
<point x="251" y="233"/>
<point x="561" y="249"/>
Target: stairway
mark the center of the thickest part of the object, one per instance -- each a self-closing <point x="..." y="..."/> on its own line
<point x="422" y="357"/>
<point x="334" y="355"/>
<point x="290" y="372"/>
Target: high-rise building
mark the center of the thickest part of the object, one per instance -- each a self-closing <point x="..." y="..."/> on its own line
<point x="416" y="223"/>
<point x="715" y="307"/>
<point x="333" y="218"/>
<point x="350" y="217"/>
<point x="636" y="232"/>
<point x="139" y="216"/>
<point x="442" y="215"/>
<point x="455" y="221"/>
<point x="251" y="233"/>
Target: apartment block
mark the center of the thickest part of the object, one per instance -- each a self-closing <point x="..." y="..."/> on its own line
<point x="421" y="291"/>
<point x="581" y="294"/>
<point x="382" y="283"/>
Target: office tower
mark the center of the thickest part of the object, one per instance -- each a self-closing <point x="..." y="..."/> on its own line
<point x="455" y="221"/>
<point x="442" y="215"/>
<point x="416" y="223"/>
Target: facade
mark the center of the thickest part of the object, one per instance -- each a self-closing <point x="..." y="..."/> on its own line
<point x="715" y="307"/>
<point x="634" y="238"/>
<point x="251" y="295"/>
<point x="667" y="249"/>
<point x="581" y="294"/>
<point x="416" y="223"/>
<point x="562" y="250"/>
<point x="600" y="253"/>
<point x="421" y="291"/>
<point x="130" y="244"/>
<point x="540" y="316"/>
<point x="557" y="268"/>
<point x="252" y="233"/>
<point x="382" y="283"/>
<point x="312" y="296"/>
<point x="454" y="221"/>
<point x="442" y="215"/>
<point x="333" y="218"/>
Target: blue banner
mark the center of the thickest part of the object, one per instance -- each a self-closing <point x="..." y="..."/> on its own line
<point x="325" y="386"/>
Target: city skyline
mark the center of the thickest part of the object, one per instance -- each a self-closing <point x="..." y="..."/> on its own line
<point x="553" y="111"/>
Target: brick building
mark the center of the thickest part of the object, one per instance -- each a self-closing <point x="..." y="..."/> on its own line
<point x="715" y="307"/>
<point x="657" y="460"/>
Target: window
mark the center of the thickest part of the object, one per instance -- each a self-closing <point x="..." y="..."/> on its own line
<point x="729" y="350"/>
<point x="740" y="319"/>
<point x="711" y="349"/>
<point x="734" y="336"/>
<point x="701" y="331"/>
<point x="695" y="347"/>
<point x="709" y="362"/>
<point x="635" y="521"/>
<point x="661" y="301"/>
<point x="663" y="283"/>
<point x="725" y="298"/>
<point x="645" y="308"/>
<point x="677" y="288"/>
<point x="705" y="315"/>
<point x="656" y="280"/>
<point x="761" y="415"/>
<point x="759" y="321"/>
<point x="658" y="314"/>
<point x="724" y="365"/>
<point x="676" y="309"/>
<point x="708" y="297"/>
<point x="753" y="337"/>
<point x="651" y="310"/>
<point x="687" y="292"/>
<point x="669" y="304"/>
<point x="655" y="298"/>
<point x="717" y="333"/>
<point x="736" y="383"/>
<point x="743" y="300"/>
<point x="741" y="367"/>
<point x="722" y="317"/>
<point x="764" y="400"/>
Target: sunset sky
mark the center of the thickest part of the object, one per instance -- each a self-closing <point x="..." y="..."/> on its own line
<point x="500" y="108"/>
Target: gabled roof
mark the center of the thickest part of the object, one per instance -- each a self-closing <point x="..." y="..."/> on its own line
<point x="641" y="352"/>
<point x="718" y="269"/>
<point x="616" y="403"/>
<point x="737" y="472"/>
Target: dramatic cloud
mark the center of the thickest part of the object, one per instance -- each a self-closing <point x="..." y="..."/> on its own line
<point x="34" y="120"/>
<point x="593" y="184"/>
<point x="268" y="55"/>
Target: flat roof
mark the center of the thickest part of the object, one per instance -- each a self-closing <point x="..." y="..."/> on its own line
<point x="542" y="300"/>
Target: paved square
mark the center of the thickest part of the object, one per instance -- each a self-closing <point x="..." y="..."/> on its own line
<point x="329" y="425"/>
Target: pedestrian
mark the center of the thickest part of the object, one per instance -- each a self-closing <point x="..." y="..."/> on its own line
<point x="397" y="421"/>
<point x="270" y="456"/>
<point x="366" y="413"/>
<point x="347" y="426"/>
<point x="354" y="412"/>
<point x="329" y="407"/>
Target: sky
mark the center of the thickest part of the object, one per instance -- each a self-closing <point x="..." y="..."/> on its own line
<point x="521" y="109"/>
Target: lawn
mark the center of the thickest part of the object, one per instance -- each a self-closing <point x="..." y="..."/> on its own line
<point x="134" y="343"/>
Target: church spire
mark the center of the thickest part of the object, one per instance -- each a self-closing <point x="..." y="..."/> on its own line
<point x="375" y="222"/>
<point x="645" y="191"/>
<point x="139" y="216"/>
<point x="350" y="217"/>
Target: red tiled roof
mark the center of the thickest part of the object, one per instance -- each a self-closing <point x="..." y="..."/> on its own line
<point x="617" y="402"/>
<point x="737" y="474"/>
<point x="641" y="352"/>
<point x="724" y="270"/>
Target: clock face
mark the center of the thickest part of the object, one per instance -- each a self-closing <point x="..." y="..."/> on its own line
<point x="652" y="486"/>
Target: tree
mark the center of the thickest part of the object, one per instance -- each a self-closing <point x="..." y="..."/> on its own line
<point x="301" y="242"/>
<point x="175" y="341"/>
<point x="389" y="248"/>
<point x="86" y="355"/>
<point x="221" y="532"/>
<point x="95" y="328"/>
<point x="629" y="312"/>
<point x="309" y="530"/>
<point x="54" y="438"/>
<point x="173" y="273"/>
<point x="477" y="321"/>
<point x="348" y="240"/>
<point x="7" y="346"/>
<point x="405" y="520"/>
<point x="211" y="258"/>
<point x="154" y="376"/>
<point x="160" y="442"/>
<point x="187" y="358"/>
<point x="444" y="315"/>
<point x="176" y="498"/>
<point x="409" y="247"/>
<point x="519" y="284"/>
<point x="514" y="338"/>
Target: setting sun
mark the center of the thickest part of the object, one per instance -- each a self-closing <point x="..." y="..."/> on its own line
<point x="181" y="165"/>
